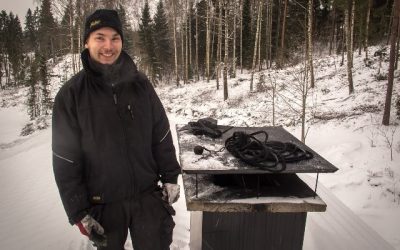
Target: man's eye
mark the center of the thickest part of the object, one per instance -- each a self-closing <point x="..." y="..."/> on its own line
<point x="116" y="38"/>
<point x="99" y="38"/>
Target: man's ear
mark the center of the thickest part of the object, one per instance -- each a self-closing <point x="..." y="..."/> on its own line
<point x="86" y="46"/>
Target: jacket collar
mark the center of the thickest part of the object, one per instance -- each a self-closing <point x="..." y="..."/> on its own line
<point x="123" y="70"/>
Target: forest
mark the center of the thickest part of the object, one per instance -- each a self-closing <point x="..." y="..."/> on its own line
<point x="177" y="42"/>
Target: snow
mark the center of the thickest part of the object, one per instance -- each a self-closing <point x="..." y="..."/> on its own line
<point x="345" y="129"/>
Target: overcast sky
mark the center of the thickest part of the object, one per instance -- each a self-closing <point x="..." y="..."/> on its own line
<point x="18" y="7"/>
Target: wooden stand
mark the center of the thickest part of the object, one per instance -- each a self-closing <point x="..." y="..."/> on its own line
<point x="237" y="207"/>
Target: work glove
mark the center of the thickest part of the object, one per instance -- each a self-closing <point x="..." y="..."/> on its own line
<point x="170" y="192"/>
<point x="92" y="229"/>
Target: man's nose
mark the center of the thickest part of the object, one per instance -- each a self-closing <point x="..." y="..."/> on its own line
<point x="108" y="44"/>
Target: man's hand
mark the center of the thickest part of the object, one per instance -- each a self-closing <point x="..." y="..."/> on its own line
<point x="87" y="224"/>
<point x="170" y="192"/>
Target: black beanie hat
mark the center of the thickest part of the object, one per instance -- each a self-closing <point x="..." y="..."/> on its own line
<point x="102" y="18"/>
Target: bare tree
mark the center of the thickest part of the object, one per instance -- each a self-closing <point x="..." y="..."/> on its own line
<point x="388" y="135"/>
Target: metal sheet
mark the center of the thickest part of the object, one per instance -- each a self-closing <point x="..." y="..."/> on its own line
<point x="225" y="163"/>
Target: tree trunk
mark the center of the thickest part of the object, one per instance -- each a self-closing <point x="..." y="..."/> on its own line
<point x="367" y="29"/>
<point x="310" y="43"/>
<point x="333" y="31"/>
<point x="278" y="25"/>
<point x="190" y="33"/>
<point x="349" y="48"/>
<point x="186" y="43"/>
<point x="197" y="48"/>
<point x="344" y="37"/>
<point x="282" y="47"/>
<point x="360" y="39"/>
<point x="259" y="65"/>
<point x="352" y="17"/>
<point x="208" y="42"/>
<point x="398" y="48"/>
<point x="175" y="43"/>
<point x="234" y="41"/>
<point x="79" y="44"/>
<point x="226" y="51"/>
<point x="268" y="34"/>
<point x="71" y="36"/>
<point x="255" y="44"/>
<point x="219" y="42"/>
<point x="393" y="37"/>
<point x="241" y="36"/>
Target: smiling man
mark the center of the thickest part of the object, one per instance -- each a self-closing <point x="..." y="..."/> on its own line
<point x="104" y="45"/>
<point x="112" y="146"/>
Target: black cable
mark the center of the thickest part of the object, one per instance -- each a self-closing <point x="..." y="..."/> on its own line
<point x="265" y="155"/>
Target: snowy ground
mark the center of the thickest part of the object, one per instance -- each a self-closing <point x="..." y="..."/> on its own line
<point x="344" y="129"/>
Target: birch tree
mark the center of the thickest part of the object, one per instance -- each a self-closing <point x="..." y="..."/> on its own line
<point x="208" y="41"/>
<point x="219" y="43"/>
<point x="226" y="50"/>
<point x="310" y="43"/>
<point x="255" y="43"/>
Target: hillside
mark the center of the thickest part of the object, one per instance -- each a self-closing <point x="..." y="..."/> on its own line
<point x="343" y="128"/>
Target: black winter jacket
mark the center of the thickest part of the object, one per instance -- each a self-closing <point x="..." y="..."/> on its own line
<point x="110" y="141"/>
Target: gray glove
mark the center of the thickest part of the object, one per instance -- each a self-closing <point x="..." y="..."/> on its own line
<point x="87" y="224"/>
<point x="170" y="192"/>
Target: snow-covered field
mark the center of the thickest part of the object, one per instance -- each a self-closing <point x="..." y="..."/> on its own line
<point x="343" y="128"/>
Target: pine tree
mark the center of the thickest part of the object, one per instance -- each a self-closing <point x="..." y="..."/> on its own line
<point x="201" y="8"/>
<point x="30" y="32"/>
<point x="147" y="42"/>
<point x="162" y="41"/>
<point x="33" y="110"/>
<point x="3" y="53"/>
<point x="46" y="31"/>
<point x="46" y="102"/>
<point x="127" y="30"/>
<point x="14" y="46"/>
<point x="65" y="29"/>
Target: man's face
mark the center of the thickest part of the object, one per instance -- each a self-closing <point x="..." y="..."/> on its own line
<point x="104" y="45"/>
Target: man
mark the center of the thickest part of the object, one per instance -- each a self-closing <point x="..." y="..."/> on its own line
<point x="112" y="146"/>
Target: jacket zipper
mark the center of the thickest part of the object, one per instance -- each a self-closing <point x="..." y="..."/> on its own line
<point x="131" y="111"/>
<point x="114" y="95"/>
<point x="131" y="170"/>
